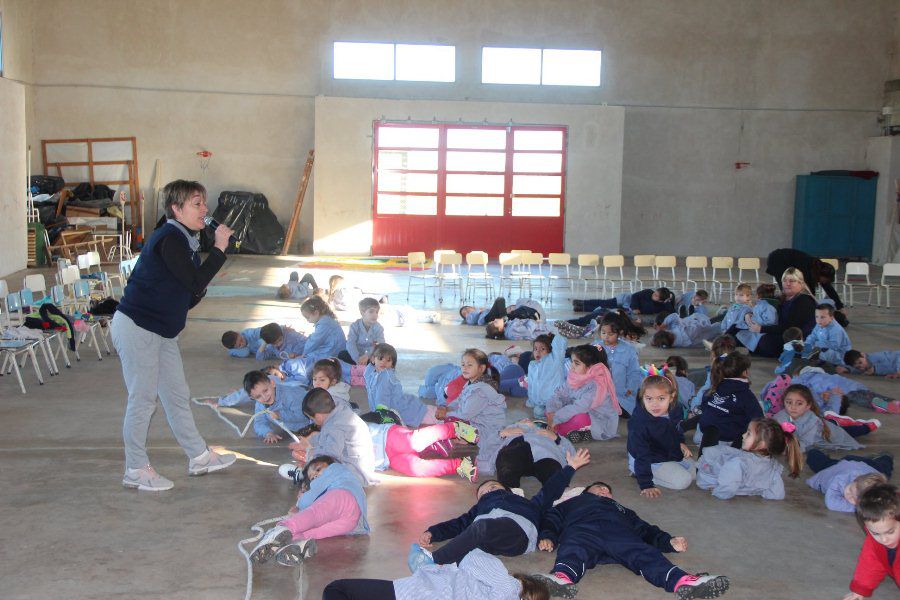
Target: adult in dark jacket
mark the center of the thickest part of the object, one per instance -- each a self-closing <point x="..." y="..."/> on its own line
<point x="167" y="281"/>
<point x="815" y="272"/>
<point x="593" y="529"/>
<point x="797" y="309"/>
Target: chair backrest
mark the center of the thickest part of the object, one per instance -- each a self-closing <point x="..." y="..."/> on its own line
<point x="83" y="261"/>
<point x="508" y="259"/>
<point x="644" y="260"/>
<point x="722" y="262"/>
<point x="613" y="261"/>
<point x="83" y="288"/>
<point x="413" y="260"/>
<point x="588" y="260"/>
<point x="857" y="270"/>
<point x="13" y="302"/>
<point x="748" y="263"/>
<point x="665" y="262"/>
<point x="476" y="257"/>
<point x="4" y="288"/>
<point x="35" y="283"/>
<point x="127" y="266"/>
<point x="889" y="270"/>
<point x="58" y="295"/>
<point x="696" y="262"/>
<point x="559" y="258"/>
<point x="833" y="262"/>
<point x="70" y="275"/>
<point x="534" y="259"/>
<point x="26" y="296"/>
<point x="520" y="251"/>
<point x="451" y="258"/>
<point x="93" y="258"/>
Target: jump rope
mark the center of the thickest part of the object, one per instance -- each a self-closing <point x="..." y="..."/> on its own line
<point x="258" y="528"/>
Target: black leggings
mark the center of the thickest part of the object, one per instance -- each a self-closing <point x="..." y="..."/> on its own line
<point x="359" y="589"/>
<point x="515" y="461"/>
<point x="501" y="536"/>
<point x="711" y="435"/>
<point x="498" y="309"/>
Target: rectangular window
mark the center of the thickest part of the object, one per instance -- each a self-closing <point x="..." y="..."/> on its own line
<point x="535" y="66"/>
<point x="390" y="62"/>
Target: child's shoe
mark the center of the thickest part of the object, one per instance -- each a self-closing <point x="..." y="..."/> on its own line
<point x="466" y="432"/>
<point x="294" y="554"/>
<point x="883" y="405"/>
<point x="209" y="462"/>
<point x="291" y="472"/>
<point x="559" y="585"/>
<point x="467" y="469"/>
<point x="271" y="542"/>
<point x="700" y="586"/>
<point x="579" y="435"/>
<point x="845" y="421"/>
<point x="418" y="557"/>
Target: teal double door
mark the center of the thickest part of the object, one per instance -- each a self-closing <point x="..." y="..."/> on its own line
<point x="835" y="216"/>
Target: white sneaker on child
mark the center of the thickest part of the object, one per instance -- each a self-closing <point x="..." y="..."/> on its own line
<point x="272" y="541"/>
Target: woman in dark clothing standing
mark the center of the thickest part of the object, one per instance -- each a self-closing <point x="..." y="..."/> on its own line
<point x="815" y="272"/>
<point x="797" y="309"/>
<point x="167" y="281"/>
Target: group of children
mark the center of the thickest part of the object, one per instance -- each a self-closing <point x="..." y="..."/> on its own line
<point x="576" y="394"/>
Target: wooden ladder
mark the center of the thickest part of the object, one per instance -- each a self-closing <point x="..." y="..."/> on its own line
<point x="298" y="203"/>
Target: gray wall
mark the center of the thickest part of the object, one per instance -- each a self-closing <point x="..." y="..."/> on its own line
<point x="787" y="86"/>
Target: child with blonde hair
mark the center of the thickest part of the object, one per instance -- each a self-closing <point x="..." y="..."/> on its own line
<point x="751" y="470"/>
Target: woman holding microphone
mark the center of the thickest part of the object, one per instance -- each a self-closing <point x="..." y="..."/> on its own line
<point x="167" y="281"/>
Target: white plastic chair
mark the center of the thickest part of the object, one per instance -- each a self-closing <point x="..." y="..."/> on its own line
<point x="477" y="275"/>
<point x="856" y="275"/>
<point x="665" y="263"/>
<point x="615" y="262"/>
<point x="37" y="284"/>
<point x="12" y="351"/>
<point x="750" y="265"/>
<point x="724" y="264"/>
<point x="532" y="271"/>
<point x="890" y="278"/>
<point x="449" y="273"/>
<point x="562" y="260"/>
<point x="417" y="266"/>
<point x="586" y="264"/>
<point x="644" y="261"/>
<point x="691" y="280"/>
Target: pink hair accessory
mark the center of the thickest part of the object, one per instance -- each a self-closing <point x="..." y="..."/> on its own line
<point x="788" y="427"/>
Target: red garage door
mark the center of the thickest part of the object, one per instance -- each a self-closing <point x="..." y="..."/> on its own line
<point x="468" y="187"/>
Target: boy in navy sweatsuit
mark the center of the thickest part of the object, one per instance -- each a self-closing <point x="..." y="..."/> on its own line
<point x="500" y="522"/>
<point x="593" y="529"/>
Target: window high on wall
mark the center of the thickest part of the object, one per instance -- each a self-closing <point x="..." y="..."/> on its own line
<point x="394" y="62"/>
<point x="536" y="66"/>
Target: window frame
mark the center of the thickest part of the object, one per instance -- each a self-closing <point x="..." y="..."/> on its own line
<point x="394" y="77"/>
<point x="541" y="68"/>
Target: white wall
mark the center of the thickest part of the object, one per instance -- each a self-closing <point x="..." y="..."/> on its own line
<point x="883" y="155"/>
<point x="343" y="191"/>
<point x="787" y="86"/>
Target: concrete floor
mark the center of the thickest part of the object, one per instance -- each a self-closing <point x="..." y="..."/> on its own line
<point x="71" y="531"/>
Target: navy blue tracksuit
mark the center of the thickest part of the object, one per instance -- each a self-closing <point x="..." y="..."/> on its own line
<point x="591" y="530"/>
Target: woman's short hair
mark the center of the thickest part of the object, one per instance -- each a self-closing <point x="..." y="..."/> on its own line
<point x="177" y="192"/>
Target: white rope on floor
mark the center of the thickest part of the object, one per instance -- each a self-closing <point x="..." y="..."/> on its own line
<point x="242" y="432"/>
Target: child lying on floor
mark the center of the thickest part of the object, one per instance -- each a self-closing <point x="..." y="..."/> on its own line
<point x="843" y="481"/>
<point x="243" y="344"/>
<point x="883" y="364"/>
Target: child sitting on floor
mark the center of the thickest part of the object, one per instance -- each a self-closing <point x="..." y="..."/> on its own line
<point x="751" y="470"/>
<point x="327" y="339"/>
<point x="586" y="405"/>
<point x="678" y="366"/>
<point x="801" y="410"/>
<point x="721" y="345"/>
<point x="530" y="450"/>
<point x="331" y="503"/>
<point x="622" y="358"/>
<point x="342" y="434"/>
<point x="327" y="375"/>
<point x="843" y="481"/>
<point x="765" y="312"/>
<point x="674" y="332"/>
<point x="384" y="389"/>
<point x="828" y="341"/>
<point x="478" y="575"/>
<point x="739" y="309"/>
<point x="593" y="529"/>
<point x="284" y="403"/>
<point x="480" y="405"/>
<point x="500" y="523"/>
<point x="296" y="288"/>
<point x="243" y="344"/>
<point x="657" y="454"/>
<point x="884" y="364"/>
<point x="364" y="334"/>
<point x="546" y="371"/>
<point x="878" y="511"/>
<point x="280" y="342"/>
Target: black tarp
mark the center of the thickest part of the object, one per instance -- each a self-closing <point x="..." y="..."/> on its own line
<point x="254" y="224"/>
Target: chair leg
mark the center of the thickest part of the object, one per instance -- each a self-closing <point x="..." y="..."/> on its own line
<point x="14" y="366"/>
<point x="34" y="363"/>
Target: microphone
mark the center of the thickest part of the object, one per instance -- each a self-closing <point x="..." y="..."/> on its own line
<point x="213" y="224"/>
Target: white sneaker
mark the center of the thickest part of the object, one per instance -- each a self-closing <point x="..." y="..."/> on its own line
<point x="294" y="554"/>
<point x="209" y="462"/>
<point x="146" y="479"/>
<point x="272" y="541"/>
<point x="291" y="472"/>
<point x="707" y="344"/>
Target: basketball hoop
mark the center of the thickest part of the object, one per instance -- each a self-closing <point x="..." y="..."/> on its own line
<point x="205" y="156"/>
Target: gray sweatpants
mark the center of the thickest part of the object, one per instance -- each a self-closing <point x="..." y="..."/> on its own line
<point x="151" y="367"/>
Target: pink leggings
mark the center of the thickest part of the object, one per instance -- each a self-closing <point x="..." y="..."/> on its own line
<point x="334" y="513"/>
<point x="579" y="421"/>
<point x="404" y="444"/>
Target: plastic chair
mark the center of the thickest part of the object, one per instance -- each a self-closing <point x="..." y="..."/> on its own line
<point x="615" y="261"/>
<point x="748" y="264"/>
<point x="24" y="303"/>
<point x="586" y="264"/>
<point x="562" y="260"/>
<point x="669" y="263"/>
<point x="856" y="274"/>
<point x="417" y="271"/>
<point x="726" y="264"/>
<point x="532" y="270"/>
<point x="644" y="261"/>
<point x="449" y="272"/>
<point x="478" y="278"/>
<point x="12" y="350"/>
<point x="36" y="283"/>
<point x="890" y="278"/>
<point x="701" y="263"/>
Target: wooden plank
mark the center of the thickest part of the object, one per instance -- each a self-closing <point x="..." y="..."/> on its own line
<point x="298" y="203"/>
